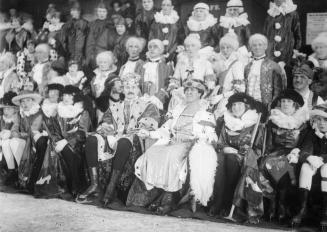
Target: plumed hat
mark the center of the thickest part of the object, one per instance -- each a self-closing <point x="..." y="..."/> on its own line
<point x="7" y="100"/>
<point x="26" y="94"/>
<point x="319" y="110"/>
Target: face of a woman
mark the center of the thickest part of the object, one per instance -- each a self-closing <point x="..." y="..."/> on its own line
<point x="121" y="29"/>
<point x="104" y="64"/>
<point x="226" y="50"/>
<point x="147" y="5"/>
<point x="133" y="49"/>
<point x="238" y="109"/>
<point x="322" y="124"/>
<point x="68" y="99"/>
<point x="287" y="106"/>
<point x="192" y="94"/>
<point x="26" y="104"/>
<point x="233" y="11"/>
<point x="258" y="48"/>
<point x="102" y="13"/>
<point x="166" y="7"/>
<point x="154" y="50"/>
<point x="192" y="48"/>
<point x="75" y="13"/>
<point x="321" y="51"/>
<point x="53" y="95"/>
<point x="200" y="14"/>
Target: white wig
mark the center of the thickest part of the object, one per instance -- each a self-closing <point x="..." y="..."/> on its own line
<point x="106" y="55"/>
<point x="159" y="43"/>
<point x="258" y="37"/>
<point x="9" y="59"/>
<point x="43" y="47"/>
<point x="320" y="39"/>
<point x="193" y="38"/>
<point x="135" y="40"/>
<point x="230" y="39"/>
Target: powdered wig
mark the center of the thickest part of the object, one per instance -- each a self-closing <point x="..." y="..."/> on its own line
<point x="136" y="40"/>
<point x="159" y="43"/>
<point x="9" y="59"/>
<point x="230" y="39"/>
<point x="258" y="37"/>
<point x="105" y="56"/>
<point x="43" y="47"/>
<point x="193" y="38"/>
<point x="321" y="39"/>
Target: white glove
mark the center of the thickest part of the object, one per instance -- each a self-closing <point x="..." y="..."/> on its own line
<point x="315" y="161"/>
<point x="230" y="150"/>
<point x="293" y="156"/>
<point x="5" y="134"/>
<point x="60" y="145"/>
<point x="39" y="135"/>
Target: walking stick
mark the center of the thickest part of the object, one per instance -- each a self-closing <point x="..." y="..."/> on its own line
<point x="254" y="133"/>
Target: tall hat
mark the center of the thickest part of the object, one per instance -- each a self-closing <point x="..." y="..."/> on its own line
<point x="7" y="100"/>
<point x="319" y="110"/>
<point x="26" y="94"/>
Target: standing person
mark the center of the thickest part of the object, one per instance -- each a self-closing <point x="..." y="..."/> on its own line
<point x="100" y="35"/>
<point x="116" y="137"/>
<point x="31" y="130"/>
<point x="203" y="23"/>
<point x="74" y="33"/>
<point x="313" y="161"/>
<point x="144" y="19"/>
<point x="302" y="79"/>
<point x="168" y="28"/>
<point x="282" y="28"/>
<point x="122" y="36"/>
<point x="235" y="20"/>
<point x="263" y="76"/>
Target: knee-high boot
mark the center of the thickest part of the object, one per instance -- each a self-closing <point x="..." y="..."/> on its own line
<point x="110" y="191"/>
<point x="93" y="189"/>
<point x="296" y="221"/>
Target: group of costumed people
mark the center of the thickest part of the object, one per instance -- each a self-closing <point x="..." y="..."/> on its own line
<point x="138" y="110"/>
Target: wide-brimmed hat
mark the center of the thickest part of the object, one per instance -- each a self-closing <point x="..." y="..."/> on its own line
<point x="27" y="94"/>
<point x="56" y="86"/>
<point x="319" y="110"/>
<point x="289" y="94"/>
<point x="201" y="5"/>
<point x="72" y="90"/>
<point x="7" y="100"/>
<point x="240" y="97"/>
<point x="193" y="83"/>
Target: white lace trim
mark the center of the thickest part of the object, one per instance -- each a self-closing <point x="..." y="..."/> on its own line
<point x="49" y="108"/>
<point x="229" y="22"/>
<point x="291" y="122"/>
<point x="75" y="80"/>
<point x="287" y="7"/>
<point x="166" y="19"/>
<point x="70" y="111"/>
<point x="35" y="108"/>
<point x="249" y="118"/>
<point x="195" y="25"/>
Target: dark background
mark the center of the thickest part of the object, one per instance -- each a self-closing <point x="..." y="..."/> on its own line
<point x="256" y="9"/>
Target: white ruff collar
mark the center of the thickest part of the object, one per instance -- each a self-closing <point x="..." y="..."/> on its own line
<point x="284" y="9"/>
<point x="49" y="108"/>
<point x="195" y="25"/>
<point x="56" y="27"/>
<point x="249" y="118"/>
<point x="291" y="122"/>
<point x="166" y="19"/>
<point x="75" y="80"/>
<point x="35" y="109"/>
<point x="70" y="111"/>
<point x="229" y="22"/>
<point x="9" y="120"/>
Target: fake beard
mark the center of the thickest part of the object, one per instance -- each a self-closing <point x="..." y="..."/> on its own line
<point x="203" y="164"/>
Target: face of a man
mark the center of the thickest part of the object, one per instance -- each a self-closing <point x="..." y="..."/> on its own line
<point x="301" y="82"/>
<point x="233" y="11"/>
<point x="258" y="48"/>
<point x="287" y="106"/>
<point x="26" y="104"/>
<point x="154" y="50"/>
<point x="133" y="50"/>
<point x="117" y="88"/>
<point x="147" y="5"/>
<point x="131" y="90"/>
<point x="102" y="13"/>
<point x="321" y="123"/>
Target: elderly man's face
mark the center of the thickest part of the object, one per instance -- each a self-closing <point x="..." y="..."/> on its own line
<point x="200" y="14"/>
<point x="154" y="50"/>
<point x="131" y="90"/>
<point x="258" y="48"/>
<point x="301" y="81"/>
